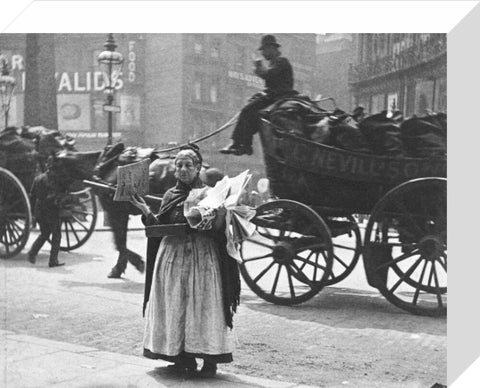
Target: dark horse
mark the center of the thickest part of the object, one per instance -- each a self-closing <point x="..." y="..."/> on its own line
<point x="161" y="172"/>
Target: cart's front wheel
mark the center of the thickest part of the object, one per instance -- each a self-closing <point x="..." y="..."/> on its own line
<point x="78" y="217"/>
<point x="289" y="259"/>
<point x="15" y="215"/>
<point x="406" y="246"/>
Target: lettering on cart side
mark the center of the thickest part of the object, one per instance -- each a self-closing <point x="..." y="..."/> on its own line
<point x="432" y="169"/>
<point x="300" y="154"/>
<point x="346" y="163"/>
<point x="377" y="167"/>
<point x="411" y="169"/>
<point x="361" y="170"/>
<point x="332" y="161"/>
<point x="318" y="159"/>
<point x="393" y="169"/>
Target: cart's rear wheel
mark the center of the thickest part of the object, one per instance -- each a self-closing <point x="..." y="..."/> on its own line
<point x="15" y="215"/>
<point x="406" y="246"/>
<point x="289" y="259"/>
<point x="78" y="218"/>
<point x="347" y="247"/>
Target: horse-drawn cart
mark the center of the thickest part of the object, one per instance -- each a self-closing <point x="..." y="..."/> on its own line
<point x="17" y="172"/>
<point x="309" y="239"/>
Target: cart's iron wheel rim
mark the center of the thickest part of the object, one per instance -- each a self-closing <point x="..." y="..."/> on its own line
<point x="287" y="265"/>
<point x="15" y="215"/>
<point x="408" y="228"/>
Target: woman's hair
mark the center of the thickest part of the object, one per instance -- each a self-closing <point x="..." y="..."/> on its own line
<point x="195" y="153"/>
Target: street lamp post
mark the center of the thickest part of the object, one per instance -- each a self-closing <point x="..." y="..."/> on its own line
<point x="110" y="63"/>
<point x="7" y="85"/>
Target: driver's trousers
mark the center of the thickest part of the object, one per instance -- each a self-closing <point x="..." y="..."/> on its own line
<point x="249" y="120"/>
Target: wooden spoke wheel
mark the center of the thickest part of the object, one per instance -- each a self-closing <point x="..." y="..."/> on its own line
<point x="347" y="247"/>
<point x="15" y="215"/>
<point x="289" y="259"/>
<point x="406" y="246"/>
<point x="78" y="217"/>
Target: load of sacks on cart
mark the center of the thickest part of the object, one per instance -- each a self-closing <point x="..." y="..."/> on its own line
<point x="386" y="133"/>
<point x="39" y="140"/>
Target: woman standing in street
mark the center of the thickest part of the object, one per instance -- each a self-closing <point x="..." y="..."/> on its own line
<point x="193" y="286"/>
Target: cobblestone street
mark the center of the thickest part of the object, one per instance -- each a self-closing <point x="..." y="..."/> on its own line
<point x="341" y="336"/>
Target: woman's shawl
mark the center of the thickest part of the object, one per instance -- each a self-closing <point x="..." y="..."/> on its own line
<point x="229" y="270"/>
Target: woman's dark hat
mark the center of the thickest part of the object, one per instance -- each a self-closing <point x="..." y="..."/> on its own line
<point x="268" y="40"/>
<point x="195" y="148"/>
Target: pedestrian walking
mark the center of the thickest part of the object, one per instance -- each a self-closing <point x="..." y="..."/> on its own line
<point x="48" y="193"/>
<point x="278" y="77"/>
<point x="192" y="288"/>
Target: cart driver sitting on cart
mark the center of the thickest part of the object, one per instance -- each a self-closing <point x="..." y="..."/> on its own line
<point x="278" y="78"/>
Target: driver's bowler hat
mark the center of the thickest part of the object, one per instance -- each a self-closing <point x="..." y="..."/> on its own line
<point x="268" y="40"/>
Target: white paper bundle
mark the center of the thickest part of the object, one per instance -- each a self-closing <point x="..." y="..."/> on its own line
<point x="198" y="217"/>
<point x="226" y="193"/>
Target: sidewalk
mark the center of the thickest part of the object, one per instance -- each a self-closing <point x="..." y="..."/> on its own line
<point x="35" y="362"/>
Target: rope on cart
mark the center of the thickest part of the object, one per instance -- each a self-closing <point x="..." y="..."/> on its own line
<point x="228" y="124"/>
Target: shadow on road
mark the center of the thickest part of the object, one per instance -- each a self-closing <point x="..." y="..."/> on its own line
<point x="120" y="285"/>
<point x="348" y="308"/>
<point x="41" y="264"/>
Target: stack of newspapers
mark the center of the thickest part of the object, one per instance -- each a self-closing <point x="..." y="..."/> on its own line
<point x="226" y="193"/>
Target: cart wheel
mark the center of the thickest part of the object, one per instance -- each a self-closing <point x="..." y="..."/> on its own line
<point x="347" y="247"/>
<point x="289" y="258"/>
<point x="78" y="218"/>
<point x="15" y="215"/>
<point x="406" y="246"/>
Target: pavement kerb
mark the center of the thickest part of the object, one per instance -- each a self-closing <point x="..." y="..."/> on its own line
<point x="27" y="368"/>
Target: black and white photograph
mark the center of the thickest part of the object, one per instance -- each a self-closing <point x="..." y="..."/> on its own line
<point x="223" y="209"/>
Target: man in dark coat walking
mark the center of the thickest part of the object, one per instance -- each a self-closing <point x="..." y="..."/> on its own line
<point x="49" y="191"/>
<point x="278" y="78"/>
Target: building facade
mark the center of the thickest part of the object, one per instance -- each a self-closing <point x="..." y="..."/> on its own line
<point x="407" y="72"/>
<point x="173" y="87"/>
<point x="210" y="78"/>
<point x="335" y="53"/>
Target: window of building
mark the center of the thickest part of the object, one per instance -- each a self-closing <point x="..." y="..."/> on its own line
<point x="239" y="57"/>
<point x="441" y="95"/>
<point x="424" y="90"/>
<point x="378" y="103"/>
<point x="392" y="102"/>
<point x="197" y="125"/>
<point x="96" y="53"/>
<point x="197" y="89"/>
<point x="237" y="100"/>
<point x="198" y="43"/>
<point x="215" y="48"/>
<point x="213" y="93"/>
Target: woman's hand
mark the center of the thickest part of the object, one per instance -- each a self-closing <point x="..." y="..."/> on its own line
<point x="140" y="203"/>
<point x="220" y="218"/>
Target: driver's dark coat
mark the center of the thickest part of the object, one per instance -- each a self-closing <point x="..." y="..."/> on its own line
<point x="278" y="77"/>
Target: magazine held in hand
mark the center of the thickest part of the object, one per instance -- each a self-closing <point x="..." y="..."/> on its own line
<point x="132" y="179"/>
<point x="226" y="193"/>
